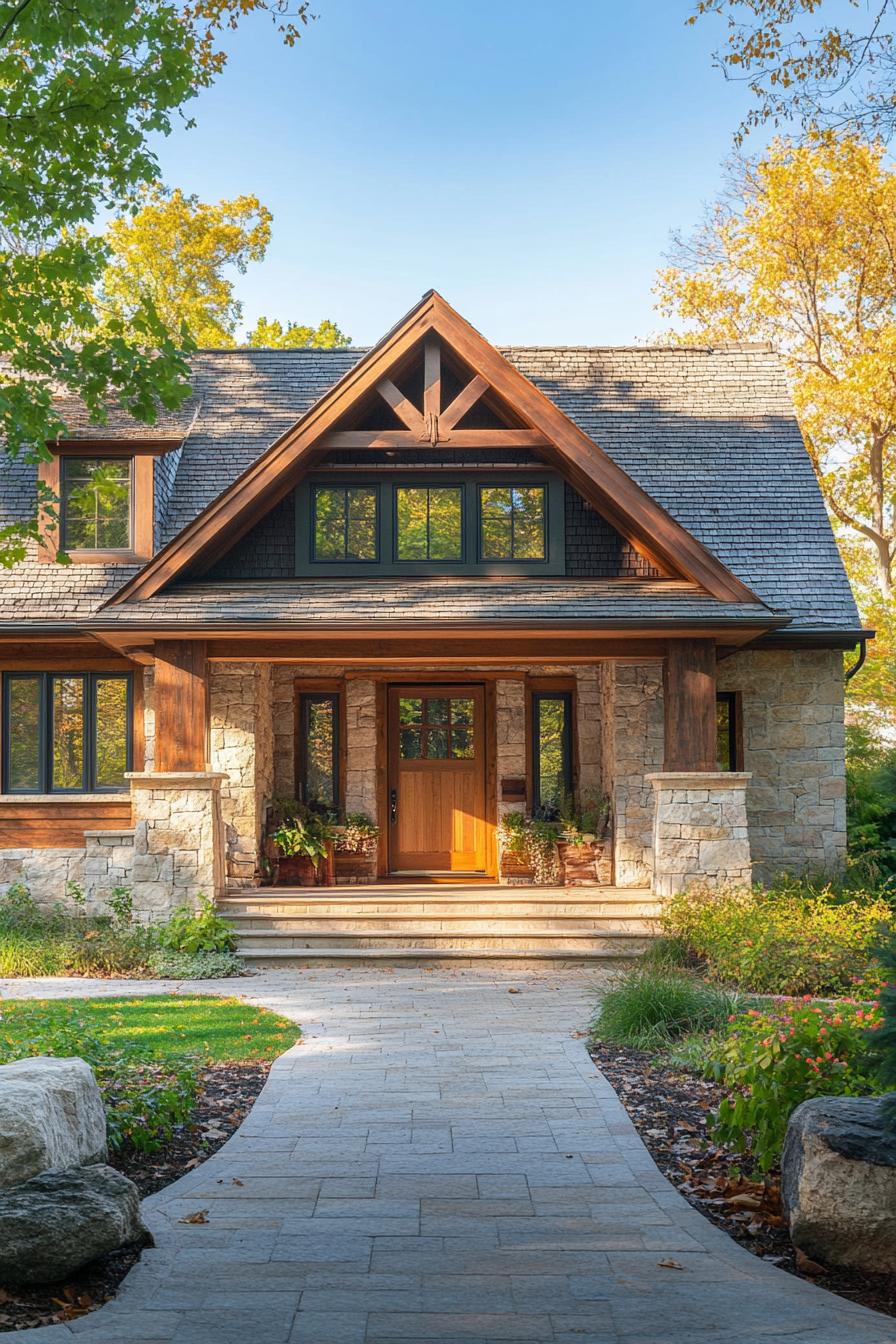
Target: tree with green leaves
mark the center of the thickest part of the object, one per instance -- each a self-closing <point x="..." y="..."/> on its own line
<point x="803" y="63"/>
<point x="272" y="335"/>
<point x="175" y="252"/>
<point x="83" y="88"/>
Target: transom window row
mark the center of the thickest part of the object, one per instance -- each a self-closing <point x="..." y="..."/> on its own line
<point x="419" y="526"/>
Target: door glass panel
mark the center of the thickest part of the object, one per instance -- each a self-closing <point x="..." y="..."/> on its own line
<point x="437" y="711"/>
<point x="24" y="733"/>
<point x="68" y="732"/>
<point x="428" y="523"/>
<point x="111" y="719"/>
<point x="461" y="712"/>
<point x="411" y="743"/>
<point x="410" y="710"/>
<point x="437" y="744"/>
<point x="461" y="743"/>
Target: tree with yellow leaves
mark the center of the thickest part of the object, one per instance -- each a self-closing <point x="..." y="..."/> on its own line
<point x="801" y="251"/>
<point x="175" y="251"/>
<point x="272" y="335"/>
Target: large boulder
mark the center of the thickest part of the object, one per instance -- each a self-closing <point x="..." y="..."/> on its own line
<point x="51" y="1115"/>
<point x="53" y="1224"/>
<point x="838" y="1183"/>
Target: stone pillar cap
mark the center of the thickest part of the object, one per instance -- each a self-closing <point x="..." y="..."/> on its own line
<point x="164" y="779"/>
<point x="700" y="779"/>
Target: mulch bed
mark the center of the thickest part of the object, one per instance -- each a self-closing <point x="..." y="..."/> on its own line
<point x="670" y="1107"/>
<point x="226" y="1095"/>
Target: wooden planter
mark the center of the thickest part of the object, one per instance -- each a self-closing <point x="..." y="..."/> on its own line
<point x="585" y="865"/>
<point x="296" y="870"/>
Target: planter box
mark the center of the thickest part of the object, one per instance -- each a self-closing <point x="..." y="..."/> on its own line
<point x="586" y="865"/>
<point x="355" y="869"/>
<point x="515" y="871"/>
<point x="296" y="870"/>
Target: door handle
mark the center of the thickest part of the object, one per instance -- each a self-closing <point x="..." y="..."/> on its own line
<point x="393" y="806"/>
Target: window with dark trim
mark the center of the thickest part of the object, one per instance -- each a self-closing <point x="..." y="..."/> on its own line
<point x="551" y="750"/>
<point x="431" y="523"/>
<point x="67" y="732"/>
<point x="318" y="779"/>
<point x="96" y="503"/>
<point x="728" y="748"/>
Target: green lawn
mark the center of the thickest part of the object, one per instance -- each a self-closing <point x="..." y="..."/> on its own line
<point x="161" y="1026"/>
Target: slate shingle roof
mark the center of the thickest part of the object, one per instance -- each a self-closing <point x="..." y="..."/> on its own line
<point x="336" y="602"/>
<point x="710" y="434"/>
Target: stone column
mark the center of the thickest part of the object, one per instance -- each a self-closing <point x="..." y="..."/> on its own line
<point x="178" y="840"/>
<point x="700" y="829"/>
<point x="360" y="747"/>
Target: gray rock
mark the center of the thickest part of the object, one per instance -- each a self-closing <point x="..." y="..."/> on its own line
<point x="53" y="1224"/>
<point x="51" y="1116"/>
<point x="838" y="1183"/>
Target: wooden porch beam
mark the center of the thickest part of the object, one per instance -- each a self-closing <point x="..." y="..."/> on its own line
<point x="465" y="399"/>
<point x="689" y="704"/>
<point x="181" y="705"/>
<point x="404" y="408"/>
<point x="458" y="438"/>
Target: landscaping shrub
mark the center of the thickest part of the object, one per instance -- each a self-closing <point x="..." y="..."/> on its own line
<point x="168" y="964"/>
<point x="785" y="940"/>
<point x="36" y="942"/>
<point x="871" y="805"/>
<point x="882" y="1039"/>
<point x="775" y="1059"/>
<point x="202" y="930"/>
<point x="144" y="1098"/>
<point x="647" y="1008"/>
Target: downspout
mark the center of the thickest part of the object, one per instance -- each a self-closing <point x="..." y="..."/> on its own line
<point x="860" y="661"/>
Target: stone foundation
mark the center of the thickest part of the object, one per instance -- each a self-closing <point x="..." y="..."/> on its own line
<point x="699" y="829"/>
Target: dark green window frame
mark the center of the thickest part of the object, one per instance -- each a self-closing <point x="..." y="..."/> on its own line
<point x="729" y="751"/>
<point x="471" y="561"/>
<point x="88" y="780"/>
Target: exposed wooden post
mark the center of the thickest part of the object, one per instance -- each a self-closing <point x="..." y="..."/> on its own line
<point x="689" y="704"/>
<point x="181" y="705"/>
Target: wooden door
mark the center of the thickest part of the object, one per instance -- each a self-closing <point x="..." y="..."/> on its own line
<point x="437" y="821"/>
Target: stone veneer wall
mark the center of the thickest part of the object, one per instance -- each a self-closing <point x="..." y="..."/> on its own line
<point x="631" y="747"/>
<point x="510" y="737"/>
<point x="242" y="747"/>
<point x="792" y="705"/>
<point x="360" y="747"/>
<point x="700" y="829"/>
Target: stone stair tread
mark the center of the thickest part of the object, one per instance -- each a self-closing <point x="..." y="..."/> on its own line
<point x="428" y="953"/>
<point x="374" y="932"/>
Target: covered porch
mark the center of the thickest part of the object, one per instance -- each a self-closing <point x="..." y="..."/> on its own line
<point x="434" y="735"/>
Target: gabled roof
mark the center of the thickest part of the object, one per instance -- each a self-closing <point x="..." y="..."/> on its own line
<point x="631" y="510"/>
<point x="710" y="434"/>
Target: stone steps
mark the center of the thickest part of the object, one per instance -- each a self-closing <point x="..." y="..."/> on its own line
<point x="518" y="958"/>
<point x="314" y="926"/>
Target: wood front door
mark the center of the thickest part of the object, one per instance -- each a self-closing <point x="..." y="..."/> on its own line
<point x="437" y="821"/>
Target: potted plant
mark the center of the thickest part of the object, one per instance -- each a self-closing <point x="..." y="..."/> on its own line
<point x="301" y="843"/>
<point x="355" y="842"/>
<point x="583" y="848"/>
<point x="529" y="849"/>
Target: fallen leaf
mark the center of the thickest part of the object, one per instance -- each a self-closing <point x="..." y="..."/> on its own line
<point x="513" y="991"/>
<point x="669" y="1264"/>
<point x="200" y="1216"/>
<point x="807" y="1266"/>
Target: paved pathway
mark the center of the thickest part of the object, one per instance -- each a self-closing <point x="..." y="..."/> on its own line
<point x="439" y="1160"/>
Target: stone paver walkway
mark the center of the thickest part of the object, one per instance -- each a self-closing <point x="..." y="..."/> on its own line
<point x="439" y="1160"/>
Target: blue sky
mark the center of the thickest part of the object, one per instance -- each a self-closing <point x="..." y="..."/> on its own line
<point x="526" y="159"/>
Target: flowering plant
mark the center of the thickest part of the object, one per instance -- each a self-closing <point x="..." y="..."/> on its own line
<point x="774" y="1060"/>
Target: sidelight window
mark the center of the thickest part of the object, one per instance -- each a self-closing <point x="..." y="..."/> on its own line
<point x="728" y="736"/>
<point x="318" y="782"/>
<point x="551" y="750"/>
<point x="66" y="733"/>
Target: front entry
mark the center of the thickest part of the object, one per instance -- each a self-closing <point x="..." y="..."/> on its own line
<point x="437" y="795"/>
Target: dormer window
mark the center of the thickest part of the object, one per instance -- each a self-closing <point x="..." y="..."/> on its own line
<point x="431" y="523"/>
<point x="96" y="503"/>
<point x="100" y="499"/>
